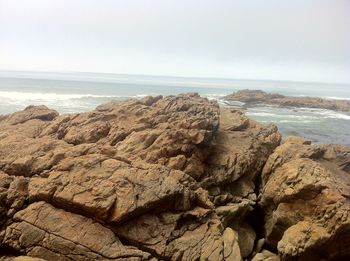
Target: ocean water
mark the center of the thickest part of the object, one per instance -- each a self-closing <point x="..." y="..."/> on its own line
<point x="78" y="92"/>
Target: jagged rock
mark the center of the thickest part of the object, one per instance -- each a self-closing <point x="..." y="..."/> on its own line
<point x="24" y="153"/>
<point x="252" y="97"/>
<point x="30" y="113"/>
<point x="110" y="189"/>
<point x="44" y="231"/>
<point x="240" y="152"/>
<point x="306" y="200"/>
<point x="71" y="185"/>
<point x="302" y="238"/>
<point x="183" y="236"/>
<point x="13" y="193"/>
<point x="173" y="178"/>
<point x="145" y="128"/>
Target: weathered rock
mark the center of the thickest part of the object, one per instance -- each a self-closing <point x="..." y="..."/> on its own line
<point x="68" y="181"/>
<point x="266" y="255"/>
<point x="43" y="231"/>
<point x="239" y="152"/>
<point x="30" y="113"/>
<point x="110" y="189"/>
<point x="13" y="194"/>
<point x="193" y="234"/>
<point x="174" y="178"/>
<point x="24" y="153"/>
<point x="306" y="200"/>
<point x="21" y="258"/>
<point x="252" y="97"/>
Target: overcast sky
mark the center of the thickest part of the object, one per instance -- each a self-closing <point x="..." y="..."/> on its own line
<point x="301" y="40"/>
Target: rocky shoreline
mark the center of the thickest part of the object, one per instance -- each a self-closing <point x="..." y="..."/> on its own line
<point x="167" y="178"/>
<point x="254" y="97"/>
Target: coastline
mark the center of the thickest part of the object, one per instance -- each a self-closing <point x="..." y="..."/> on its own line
<point x="318" y="125"/>
<point x="317" y="119"/>
<point x="165" y="178"/>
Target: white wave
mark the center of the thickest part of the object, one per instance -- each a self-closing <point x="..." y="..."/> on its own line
<point x="337" y="98"/>
<point x="288" y="121"/>
<point x="213" y="96"/>
<point x="278" y="113"/>
<point x="303" y="113"/>
<point x="25" y="96"/>
<point x="140" y="96"/>
<point x="324" y="113"/>
<point x="333" y="114"/>
<point x="323" y="97"/>
<point x="302" y="117"/>
<point x="296" y="121"/>
<point x="263" y="114"/>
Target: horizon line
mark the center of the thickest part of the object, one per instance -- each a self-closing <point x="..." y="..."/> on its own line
<point x="169" y="76"/>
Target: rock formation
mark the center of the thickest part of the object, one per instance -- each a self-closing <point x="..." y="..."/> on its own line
<point x="306" y="196"/>
<point x="167" y="178"/>
<point x="253" y="97"/>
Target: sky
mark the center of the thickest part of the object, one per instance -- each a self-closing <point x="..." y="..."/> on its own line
<point x="299" y="40"/>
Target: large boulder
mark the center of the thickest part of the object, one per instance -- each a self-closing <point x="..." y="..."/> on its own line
<point x="30" y="113"/>
<point x="167" y="178"/>
<point x="306" y="192"/>
<point x="41" y="230"/>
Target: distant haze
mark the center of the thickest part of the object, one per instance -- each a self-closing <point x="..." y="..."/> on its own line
<point x="298" y="40"/>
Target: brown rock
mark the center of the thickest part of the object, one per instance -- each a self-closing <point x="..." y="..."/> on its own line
<point x="21" y="258"/>
<point x="13" y="194"/>
<point x="266" y="255"/>
<point x="110" y="189"/>
<point x="193" y="234"/>
<point x="125" y="165"/>
<point x="30" y="113"/>
<point x="43" y="231"/>
<point x="173" y="178"/>
<point x="306" y="199"/>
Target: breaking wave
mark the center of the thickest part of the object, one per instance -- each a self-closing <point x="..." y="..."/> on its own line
<point x="24" y="96"/>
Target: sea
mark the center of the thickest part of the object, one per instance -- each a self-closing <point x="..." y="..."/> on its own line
<point x="79" y="92"/>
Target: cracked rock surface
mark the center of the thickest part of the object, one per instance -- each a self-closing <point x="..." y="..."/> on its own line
<point x="306" y="191"/>
<point x="166" y="178"/>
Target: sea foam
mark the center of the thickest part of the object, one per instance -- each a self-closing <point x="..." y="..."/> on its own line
<point x="25" y="96"/>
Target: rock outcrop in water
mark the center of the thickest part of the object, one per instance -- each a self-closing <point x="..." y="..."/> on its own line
<point x="174" y="178"/>
<point x="253" y="97"/>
